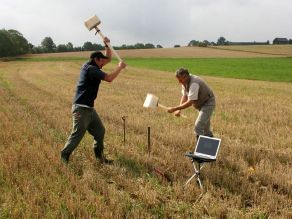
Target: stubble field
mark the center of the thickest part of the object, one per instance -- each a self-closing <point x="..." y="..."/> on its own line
<point x="251" y="178"/>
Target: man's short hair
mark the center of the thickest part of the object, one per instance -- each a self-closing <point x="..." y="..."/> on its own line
<point x="98" y="55"/>
<point x="182" y="72"/>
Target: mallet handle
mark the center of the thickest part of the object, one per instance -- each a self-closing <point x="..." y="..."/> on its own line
<point x="166" y="108"/>
<point x="108" y="44"/>
<point x="184" y="116"/>
<point x="162" y="106"/>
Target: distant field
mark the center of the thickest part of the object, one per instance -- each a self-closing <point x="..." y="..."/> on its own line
<point x="267" y="69"/>
<point x="268" y="62"/>
<point x="193" y="52"/>
<point x="285" y="50"/>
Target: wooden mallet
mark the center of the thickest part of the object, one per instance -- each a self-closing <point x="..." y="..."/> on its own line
<point x="151" y="101"/>
<point x="92" y="23"/>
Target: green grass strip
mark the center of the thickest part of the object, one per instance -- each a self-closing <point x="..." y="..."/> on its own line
<point x="266" y="69"/>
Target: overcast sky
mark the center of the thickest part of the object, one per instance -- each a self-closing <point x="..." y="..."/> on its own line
<point x="164" y="22"/>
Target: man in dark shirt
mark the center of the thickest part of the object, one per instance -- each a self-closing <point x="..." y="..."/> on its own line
<point x="85" y="118"/>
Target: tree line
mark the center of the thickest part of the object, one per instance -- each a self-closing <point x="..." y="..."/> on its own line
<point x="224" y="42"/>
<point x="13" y="43"/>
<point x="48" y="45"/>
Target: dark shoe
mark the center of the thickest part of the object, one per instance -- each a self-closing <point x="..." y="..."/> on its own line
<point x="65" y="158"/>
<point x="106" y="161"/>
<point x="100" y="156"/>
<point x="98" y="152"/>
<point x="103" y="160"/>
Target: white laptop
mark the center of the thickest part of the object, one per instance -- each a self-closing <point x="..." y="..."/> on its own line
<point x="207" y="147"/>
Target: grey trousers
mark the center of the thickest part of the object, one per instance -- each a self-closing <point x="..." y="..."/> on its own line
<point x="85" y="119"/>
<point x="203" y="124"/>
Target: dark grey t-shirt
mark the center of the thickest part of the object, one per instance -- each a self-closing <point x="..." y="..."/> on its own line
<point x="88" y="84"/>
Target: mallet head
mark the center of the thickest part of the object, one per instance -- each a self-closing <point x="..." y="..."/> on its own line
<point x="151" y="101"/>
<point x="92" y="22"/>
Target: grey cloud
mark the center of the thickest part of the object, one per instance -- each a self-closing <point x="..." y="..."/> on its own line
<point x="165" y="22"/>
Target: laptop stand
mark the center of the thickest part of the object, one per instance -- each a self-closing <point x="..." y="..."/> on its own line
<point x="198" y="163"/>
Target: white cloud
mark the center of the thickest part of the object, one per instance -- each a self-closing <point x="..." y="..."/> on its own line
<point x="165" y="22"/>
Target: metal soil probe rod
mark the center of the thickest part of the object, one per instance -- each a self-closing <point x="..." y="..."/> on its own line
<point x="124" y="125"/>
<point x="149" y="143"/>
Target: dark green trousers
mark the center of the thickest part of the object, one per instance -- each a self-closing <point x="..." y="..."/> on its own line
<point x="85" y="119"/>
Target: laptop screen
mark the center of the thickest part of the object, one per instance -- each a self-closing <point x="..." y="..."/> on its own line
<point x="207" y="146"/>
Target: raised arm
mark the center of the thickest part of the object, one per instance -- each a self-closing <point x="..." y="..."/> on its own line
<point x="108" y="51"/>
<point x="110" y="77"/>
